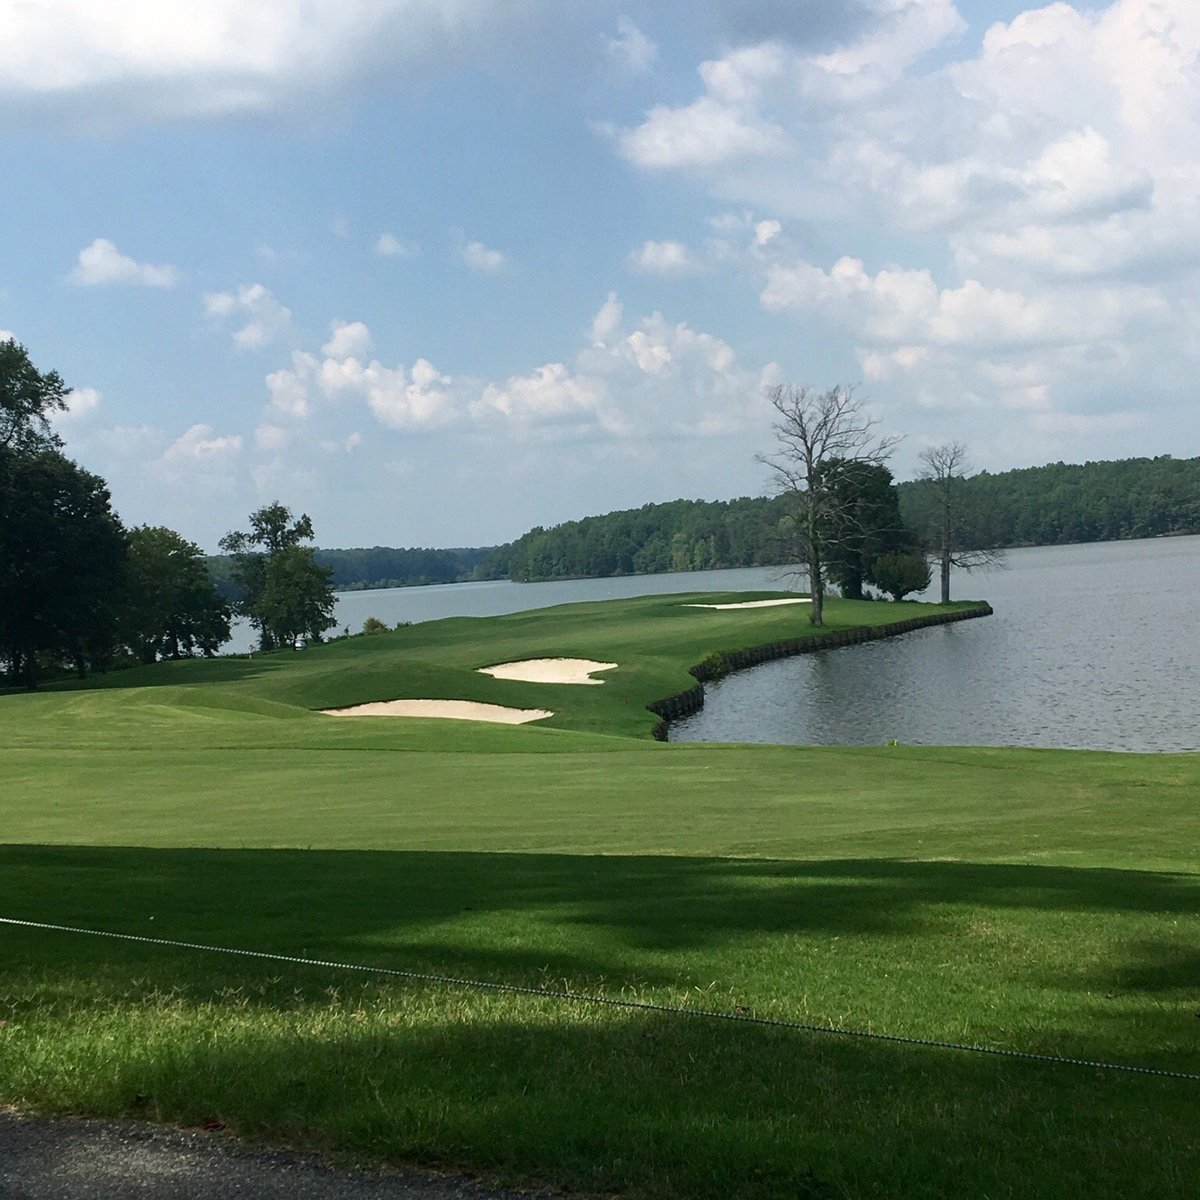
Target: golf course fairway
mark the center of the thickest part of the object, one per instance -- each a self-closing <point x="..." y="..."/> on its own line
<point x="1038" y="901"/>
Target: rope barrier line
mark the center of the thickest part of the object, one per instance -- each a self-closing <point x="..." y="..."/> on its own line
<point x="744" y="1018"/>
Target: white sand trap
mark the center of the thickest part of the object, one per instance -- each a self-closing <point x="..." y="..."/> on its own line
<point x="454" y="710"/>
<point x="549" y="670"/>
<point x="753" y="603"/>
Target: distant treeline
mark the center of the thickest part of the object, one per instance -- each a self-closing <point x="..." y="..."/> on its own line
<point x="377" y="567"/>
<point x="1034" y="506"/>
<point x="1062" y="503"/>
<point x="684" y="535"/>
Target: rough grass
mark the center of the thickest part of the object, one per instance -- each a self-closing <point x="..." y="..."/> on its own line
<point x="1037" y="900"/>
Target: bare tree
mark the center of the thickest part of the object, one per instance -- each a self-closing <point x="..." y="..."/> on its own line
<point x="944" y="477"/>
<point x="819" y="434"/>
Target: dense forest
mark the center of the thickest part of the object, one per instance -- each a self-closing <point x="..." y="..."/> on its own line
<point x="1050" y="505"/>
<point x="1062" y="503"/>
<point x="684" y="535"/>
<point x="376" y="567"/>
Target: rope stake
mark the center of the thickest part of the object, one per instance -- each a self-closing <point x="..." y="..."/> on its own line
<point x="743" y="1018"/>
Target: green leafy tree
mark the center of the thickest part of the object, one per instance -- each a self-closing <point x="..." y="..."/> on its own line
<point x="297" y="600"/>
<point x="284" y="591"/>
<point x="900" y="574"/>
<point x="62" y="548"/>
<point x="173" y="609"/>
<point x="28" y="398"/>
<point x="864" y="522"/>
<point x="62" y="566"/>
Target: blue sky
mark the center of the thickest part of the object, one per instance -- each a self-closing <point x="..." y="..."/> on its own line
<point x="435" y="271"/>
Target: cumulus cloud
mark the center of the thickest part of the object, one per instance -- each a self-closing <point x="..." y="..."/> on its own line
<point x="417" y="397"/>
<point x="1039" y="202"/>
<point x="663" y="258"/>
<point x="658" y="379"/>
<point x="480" y="258"/>
<point x="152" y="60"/>
<point x="706" y="133"/>
<point x="200" y="456"/>
<point x="82" y="402"/>
<point x="350" y="339"/>
<point x="102" y="263"/>
<point x="261" y="319"/>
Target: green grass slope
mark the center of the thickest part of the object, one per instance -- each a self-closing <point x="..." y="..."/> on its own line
<point x="1038" y="900"/>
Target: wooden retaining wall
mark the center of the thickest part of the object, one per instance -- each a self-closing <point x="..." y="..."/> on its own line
<point x="683" y="704"/>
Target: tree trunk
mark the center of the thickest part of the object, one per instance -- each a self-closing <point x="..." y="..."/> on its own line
<point x="945" y="576"/>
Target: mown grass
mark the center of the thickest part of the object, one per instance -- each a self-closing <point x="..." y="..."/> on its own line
<point x="1036" y="900"/>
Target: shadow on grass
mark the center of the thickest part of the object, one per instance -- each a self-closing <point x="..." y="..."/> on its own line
<point x="604" y="920"/>
<point x="224" y="669"/>
<point x="595" y="1098"/>
<point x="664" y="901"/>
<point x="613" y="1103"/>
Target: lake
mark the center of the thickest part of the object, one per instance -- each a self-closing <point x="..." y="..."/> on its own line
<point x="1094" y="646"/>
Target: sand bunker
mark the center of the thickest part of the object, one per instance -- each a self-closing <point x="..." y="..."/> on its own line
<point x="753" y="603"/>
<point x="549" y="670"/>
<point x="454" y="710"/>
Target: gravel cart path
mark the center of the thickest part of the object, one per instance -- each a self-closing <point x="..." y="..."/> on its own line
<point x="70" y="1159"/>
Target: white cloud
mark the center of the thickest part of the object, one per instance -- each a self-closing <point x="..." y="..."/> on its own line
<point x="289" y="387"/>
<point x="631" y="48"/>
<point x="607" y="320"/>
<point x="766" y="231"/>
<point x="262" y="318"/>
<point x="663" y="258"/>
<point x="351" y="339"/>
<point x="656" y="380"/>
<point x="420" y="401"/>
<point x="390" y="246"/>
<point x="660" y="380"/>
<point x="102" y="263"/>
<point x="1032" y="189"/>
<point x="141" y="61"/>
<point x="551" y="392"/>
<point x="82" y="402"/>
<point x="420" y="397"/>
<point x="200" y="453"/>
<point x="704" y="134"/>
<point x="478" y="257"/>
<point x="906" y="29"/>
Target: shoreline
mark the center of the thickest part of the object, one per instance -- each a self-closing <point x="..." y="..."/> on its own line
<point x="725" y="662"/>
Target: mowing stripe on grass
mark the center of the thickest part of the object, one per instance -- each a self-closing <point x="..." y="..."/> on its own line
<point x="610" y="1001"/>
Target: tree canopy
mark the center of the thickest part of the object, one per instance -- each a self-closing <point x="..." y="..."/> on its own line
<point x="284" y="592"/>
<point x="173" y="610"/>
<point x="28" y="398"/>
<point x="62" y="565"/>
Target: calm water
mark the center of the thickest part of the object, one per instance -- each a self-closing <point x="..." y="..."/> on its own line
<point x="1094" y="646"/>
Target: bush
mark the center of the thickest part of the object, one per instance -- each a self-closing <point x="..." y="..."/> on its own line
<point x="374" y="625"/>
<point x="899" y="574"/>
